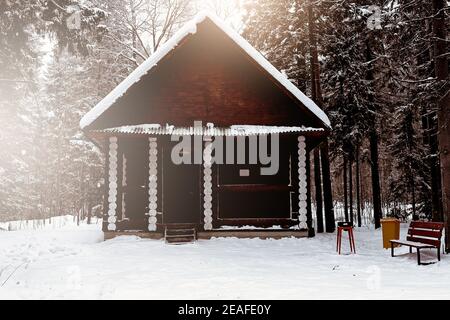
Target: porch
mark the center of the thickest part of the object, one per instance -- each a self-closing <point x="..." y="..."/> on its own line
<point x="228" y="233"/>
<point x="150" y="192"/>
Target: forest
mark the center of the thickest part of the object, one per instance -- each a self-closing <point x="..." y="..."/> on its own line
<point x="378" y="68"/>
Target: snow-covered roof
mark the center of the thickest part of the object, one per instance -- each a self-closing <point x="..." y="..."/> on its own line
<point x="237" y="130"/>
<point x="172" y="43"/>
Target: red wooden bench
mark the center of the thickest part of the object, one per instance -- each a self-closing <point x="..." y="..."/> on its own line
<point x="422" y="235"/>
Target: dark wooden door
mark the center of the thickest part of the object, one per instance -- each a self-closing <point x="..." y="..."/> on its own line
<point x="135" y="186"/>
<point x="181" y="190"/>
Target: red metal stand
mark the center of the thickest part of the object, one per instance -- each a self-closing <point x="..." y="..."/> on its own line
<point x="351" y="238"/>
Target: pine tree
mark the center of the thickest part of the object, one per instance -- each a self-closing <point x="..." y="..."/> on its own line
<point x="278" y="29"/>
<point x="350" y="101"/>
<point x="22" y="24"/>
<point x="408" y="185"/>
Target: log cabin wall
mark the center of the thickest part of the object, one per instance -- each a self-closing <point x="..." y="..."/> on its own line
<point x="243" y="196"/>
<point x="239" y="194"/>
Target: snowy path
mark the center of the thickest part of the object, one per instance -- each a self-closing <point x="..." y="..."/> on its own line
<point x="74" y="262"/>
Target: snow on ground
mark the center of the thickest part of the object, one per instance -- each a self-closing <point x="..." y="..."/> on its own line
<point x="74" y="262"/>
<point x="49" y="223"/>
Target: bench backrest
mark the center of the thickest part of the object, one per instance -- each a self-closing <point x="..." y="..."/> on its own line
<point x="425" y="232"/>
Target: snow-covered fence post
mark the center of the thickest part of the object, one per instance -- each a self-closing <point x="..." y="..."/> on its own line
<point x="207" y="183"/>
<point x="302" y="187"/>
<point x="152" y="184"/>
<point x="112" y="194"/>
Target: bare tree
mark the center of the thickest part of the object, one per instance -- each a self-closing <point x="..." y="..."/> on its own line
<point x="229" y="10"/>
<point x="164" y="16"/>
<point x="142" y="26"/>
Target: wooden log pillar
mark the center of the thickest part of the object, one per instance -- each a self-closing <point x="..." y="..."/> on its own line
<point x="302" y="185"/>
<point x="123" y="186"/>
<point x="120" y="188"/>
<point x="112" y="187"/>
<point x="207" y="184"/>
<point x="152" y="184"/>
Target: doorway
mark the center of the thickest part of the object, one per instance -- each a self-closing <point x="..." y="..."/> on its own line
<point x="181" y="189"/>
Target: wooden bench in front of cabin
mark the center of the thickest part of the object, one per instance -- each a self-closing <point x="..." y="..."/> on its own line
<point x="422" y="235"/>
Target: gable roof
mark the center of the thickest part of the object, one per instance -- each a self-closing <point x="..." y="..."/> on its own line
<point x="172" y="43"/>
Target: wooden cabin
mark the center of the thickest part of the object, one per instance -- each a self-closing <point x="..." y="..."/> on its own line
<point x="206" y="83"/>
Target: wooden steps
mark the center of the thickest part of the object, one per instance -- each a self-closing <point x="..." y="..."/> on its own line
<point x="174" y="235"/>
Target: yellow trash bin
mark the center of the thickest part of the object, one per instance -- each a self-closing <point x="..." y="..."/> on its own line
<point x="391" y="231"/>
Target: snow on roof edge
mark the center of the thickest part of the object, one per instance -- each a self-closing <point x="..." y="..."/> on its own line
<point x="172" y="43"/>
<point x="234" y="130"/>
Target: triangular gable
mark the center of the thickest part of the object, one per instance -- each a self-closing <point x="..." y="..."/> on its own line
<point x="170" y="45"/>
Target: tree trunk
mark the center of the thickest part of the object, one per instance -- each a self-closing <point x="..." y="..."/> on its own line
<point x="363" y="192"/>
<point x="376" y="190"/>
<point x="318" y="185"/>
<point x="358" y="188"/>
<point x="89" y="214"/>
<point x="317" y="97"/>
<point x="413" y="197"/>
<point x="436" y="190"/>
<point x="373" y="140"/>
<point x="302" y="83"/>
<point x="350" y="186"/>
<point x="59" y="210"/>
<point x="444" y="143"/>
<point x="82" y="195"/>
<point x="429" y="128"/>
<point x="437" y="25"/>
<point x="330" y="224"/>
<point x="345" y="188"/>
<point x="441" y="72"/>
<point x="133" y="31"/>
<point x="412" y="181"/>
<point x="314" y="58"/>
<point x="440" y="44"/>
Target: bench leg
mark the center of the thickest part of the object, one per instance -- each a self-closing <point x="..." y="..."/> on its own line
<point x="410" y="249"/>
<point x="439" y="253"/>
<point x="350" y="240"/>
<point x="353" y="241"/>
<point x="392" y="249"/>
<point x="337" y="240"/>
<point x="418" y="256"/>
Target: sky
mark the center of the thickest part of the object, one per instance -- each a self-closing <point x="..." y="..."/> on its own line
<point x="229" y="10"/>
